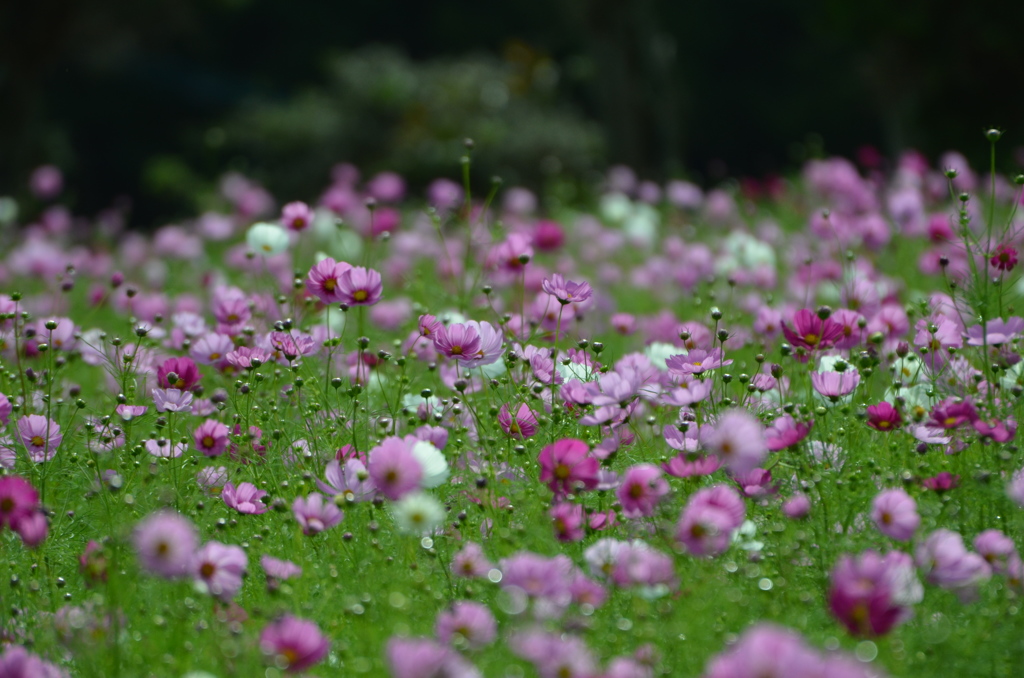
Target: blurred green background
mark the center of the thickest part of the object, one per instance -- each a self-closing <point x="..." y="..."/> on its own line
<point x="157" y="99"/>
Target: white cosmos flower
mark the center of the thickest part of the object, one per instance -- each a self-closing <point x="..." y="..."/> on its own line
<point x="267" y="239"/>
<point x="431" y="459"/>
<point x="659" y="352"/>
<point x="418" y="513"/>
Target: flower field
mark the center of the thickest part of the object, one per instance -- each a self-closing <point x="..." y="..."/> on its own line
<point x="760" y="430"/>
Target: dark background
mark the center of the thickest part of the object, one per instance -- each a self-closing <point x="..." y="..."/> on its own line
<point x="156" y="99"/>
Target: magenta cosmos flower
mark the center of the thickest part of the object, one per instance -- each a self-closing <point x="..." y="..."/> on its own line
<point x="884" y="417"/>
<point x="179" y="373"/>
<point x="786" y="432"/>
<point x="871" y="593"/>
<point x="40" y="435"/>
<point x="211" y="438"/>
<point x="296" y="216"/>
<point x="360" y="286"/>
<point x="567" y="466"/>
<point x="220" y="568"/>
<point x="520" y="422"/>
<point x="17" y="499"/>
<point x="811" y="332"/>
<point x="641" y="489"/>
<point x="245" y="498"/>
<point x="296" y="644"/>
<point x="165" y="543"/>
<point x="314" y="514"/>
<point x="568" y="520"/>
<point x="895" y="514"/>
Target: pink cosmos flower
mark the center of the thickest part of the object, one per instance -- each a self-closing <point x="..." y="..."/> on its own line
<point x="567" y="466"/>
<point x="425" y="658"/>
<point x="129" y="412"/>
<point x="471" y="562"/>
<point x="566" y="291"/>
<point x="568" y="521"/>
<point x="393" y="468"/>
<point x="324" y="278"/>
<point x="314" y="514"/>
<point x="17" y="662"/>
<point x="641" y="489"/>
<point x="41" y="437"/>
<point x="351" y="481"/>
<point x="947" y="562"/>
<point x="165" y="543"/>
<point x="17" y="499"/>
<point x="996" y="548"/>
<point x="884" y="417"/>
<point x="5" y="410"/>
<point x="245" y="498"/>
<point x="296" y="216"/>
<point x="871" y="594"/>
<point x="738" y="440"/>
<point x="220" y="567"/>
<point x="279" y="570"/>
<point x="521" y="425"/>
<point x="768" y="650"/>
<point x="835" y="385"/>
<point x="1015" y="488"/>
<point x="684" y="465"/>
<point x="786" y="432"/>
<point x="470" y="620"/>
<point x="295" y="644"/>
<point x="458" y="341"/>
<point x="995" y="430"/>
<point x="211" y="480"/>
<point x="711" y="516"/>
<point x="696" y="361"/>
<point x="555" y="655"/>
<point x="895" y="514"/>
<point x="360" y="286"/>
<point x="797" y="507"/>
<point x="211" y="438"/>
<point x="246" y="358"/>
<point x="162" y="447"/>
<point x="1004" y="258"/>
<point x="952" y="413"/>
<point x="996" y="332"/>
<point x="172" y="400"/>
